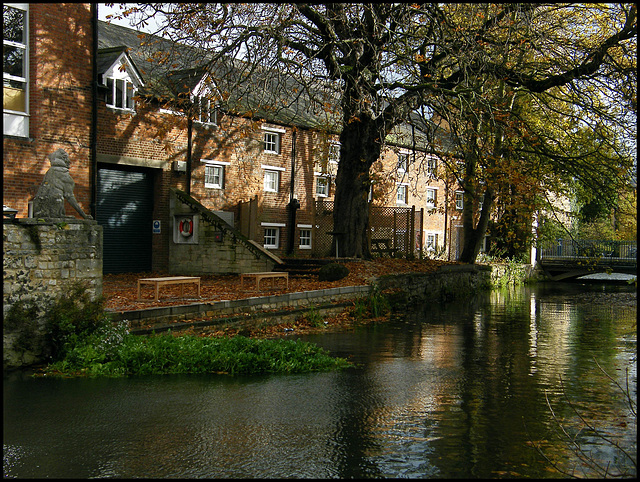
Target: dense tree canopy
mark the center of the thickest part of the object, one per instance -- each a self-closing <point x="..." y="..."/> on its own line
<point x="517" y="88"/>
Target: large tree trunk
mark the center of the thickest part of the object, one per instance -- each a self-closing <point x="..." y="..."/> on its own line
<point x="360" y="148"/>
<point x="472" y="237"/>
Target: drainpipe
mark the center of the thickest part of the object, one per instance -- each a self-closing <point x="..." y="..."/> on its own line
<point x="93" y="135"/>
<point x="446" y="211"/>
<point x="189" y="148"/>
<point x="294" y="204"/>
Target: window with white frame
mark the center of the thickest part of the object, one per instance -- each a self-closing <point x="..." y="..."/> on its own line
<point x="214" y="174"/>
<point x="305" y="236"/>
<point x="15" y="69"/>
<point x="206" y="112"/>
<point x="271" y="141"/>
<point x="271" y="181"/>
<point x="431" y="197"/>
<point x="120" y="94"/>
<point x="432" y="241"/>
<point x="403" y="162"/>
<point x="432" y="165"/>
<point x="271" y="178"/>
<point x="322" y="186"/>
<point x="459" y="200"/>
<point x="272" y="235"/>
<point x="334" y="152"/>
<point x="402" y="194"/>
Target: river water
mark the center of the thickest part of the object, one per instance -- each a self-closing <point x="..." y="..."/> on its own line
<point x="444" y="391"/>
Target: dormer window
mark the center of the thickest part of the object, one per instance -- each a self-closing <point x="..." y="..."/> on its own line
<point x="120" y="78"/>
<point x="203" y="100"/>
<point x="120" y="94"/>
<point x="205" y="110"/>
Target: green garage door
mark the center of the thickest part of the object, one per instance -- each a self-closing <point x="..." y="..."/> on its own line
<point x="124" y="210"/>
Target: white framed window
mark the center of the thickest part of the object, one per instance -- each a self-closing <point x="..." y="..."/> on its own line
<point x="271" y="178"/>
<point x="432" y="241"/>
<point x="272" y="235"/>
<point x="206" y="112"/>
<point x="459" y="200"/>
<point x="120" y="94"/>
<point x="305" y="236"/>
<point x="214" y="174"/>
<point x="432" y="197"/>
<point x="271" y="181"/>
<point x="322" y="186"/>
<point x="432" y="165"/>
<point x="15" y="69"/>
<point x="402" y="194"/>
<point x="403" y="162"/>
<point x="334" y="152"/>
<point x="271" y="141"/>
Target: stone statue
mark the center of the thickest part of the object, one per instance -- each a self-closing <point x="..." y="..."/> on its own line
<point x="56" y="186"/>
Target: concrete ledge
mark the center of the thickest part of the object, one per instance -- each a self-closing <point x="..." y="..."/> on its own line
<point x="244" y="306"/>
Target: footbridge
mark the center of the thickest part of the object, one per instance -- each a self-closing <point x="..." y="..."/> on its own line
<point x="572" y="258"/>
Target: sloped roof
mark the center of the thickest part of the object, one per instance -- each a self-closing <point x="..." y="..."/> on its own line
<point x="107" y="57"/>
<point x="287" y="106"/>
<point x="266" y="94"/>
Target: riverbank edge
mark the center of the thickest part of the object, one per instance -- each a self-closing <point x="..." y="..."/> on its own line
<point x="448" y="283"/>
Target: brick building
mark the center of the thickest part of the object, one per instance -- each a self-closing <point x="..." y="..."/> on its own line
<point x="89" y="87"/>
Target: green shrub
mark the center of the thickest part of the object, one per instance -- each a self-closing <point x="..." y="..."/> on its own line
<point x="73" y="318"/>
<point x="313" y="317"/>
<point x="374" y="306"/>
<point x="378" y="302"/>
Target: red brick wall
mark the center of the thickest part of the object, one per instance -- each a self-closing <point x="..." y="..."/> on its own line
<point x="60" y="73"/>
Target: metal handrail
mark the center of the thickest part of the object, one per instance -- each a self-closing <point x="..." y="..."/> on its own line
<point x="590" y="249"/>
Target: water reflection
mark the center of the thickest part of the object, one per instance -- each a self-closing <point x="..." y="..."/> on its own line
<point x="445" y="391"/>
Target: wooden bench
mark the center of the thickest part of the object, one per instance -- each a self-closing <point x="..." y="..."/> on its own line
<point x="382" y="246"/>
<point x="171" y="280"/>
<point x="265" y="274"/>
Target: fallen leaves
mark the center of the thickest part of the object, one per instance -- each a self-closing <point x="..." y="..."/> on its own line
<point x="121" y="290"/>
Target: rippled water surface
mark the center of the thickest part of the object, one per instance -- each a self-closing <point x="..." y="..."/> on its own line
<point x="456" y="390"/>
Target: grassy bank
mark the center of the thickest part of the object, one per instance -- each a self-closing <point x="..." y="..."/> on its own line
<point x="167" y="354"/>
<point x="82" y="341"/>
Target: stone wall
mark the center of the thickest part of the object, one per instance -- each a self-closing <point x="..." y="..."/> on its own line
<point x="448" y="283"/>
<point x="39" y="259"/>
